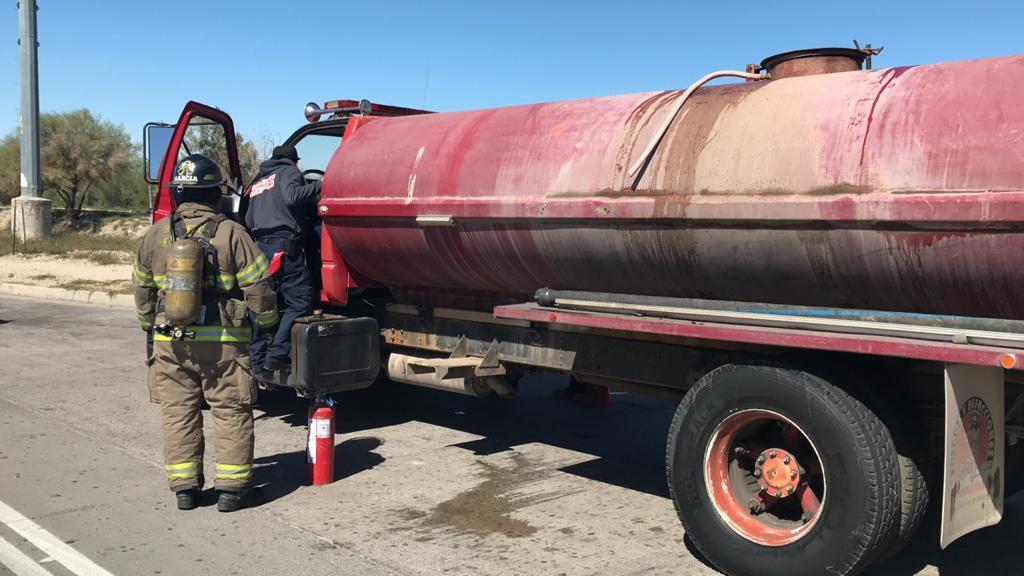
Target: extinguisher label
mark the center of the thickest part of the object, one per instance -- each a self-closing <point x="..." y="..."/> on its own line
<point x="323" y="428"/>
<point x="311" y="446"/>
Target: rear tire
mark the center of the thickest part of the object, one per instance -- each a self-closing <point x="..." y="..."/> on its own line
<point x="914" y="497"/>
<point x="914" y="486"/>
<point x="737" y="407"/>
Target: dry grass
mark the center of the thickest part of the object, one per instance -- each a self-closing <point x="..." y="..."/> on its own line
<point x="103" y="257"/>
<point x="111" y="288"/>
<point x="89" y="245"/>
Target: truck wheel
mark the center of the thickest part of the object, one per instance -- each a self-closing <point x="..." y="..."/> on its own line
<point x="776" y="471"/>
<point x="911" y="456"/>
<point x="914" y="495"/>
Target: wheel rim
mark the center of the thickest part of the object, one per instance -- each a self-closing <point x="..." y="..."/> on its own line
<point x="764" y="477"/>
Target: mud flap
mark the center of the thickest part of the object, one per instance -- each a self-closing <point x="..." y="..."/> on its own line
<point x="974" y="472"/>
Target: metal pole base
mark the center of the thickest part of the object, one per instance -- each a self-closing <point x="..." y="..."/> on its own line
<point x="31" y="217"/>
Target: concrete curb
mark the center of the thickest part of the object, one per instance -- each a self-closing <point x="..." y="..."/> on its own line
<point x="84" y="296"/>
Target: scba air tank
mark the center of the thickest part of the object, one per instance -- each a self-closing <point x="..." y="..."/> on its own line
<point x="183" y="296"/>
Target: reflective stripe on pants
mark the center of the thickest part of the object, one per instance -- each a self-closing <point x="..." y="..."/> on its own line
<point x="184" y="470"/>
<point x="234" y="471"/>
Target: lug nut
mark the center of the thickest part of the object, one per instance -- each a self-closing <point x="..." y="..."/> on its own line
<point x="757" y="473"/>
<point x="789" y="489"/>
<point x="793" y="474"/>
<point x="786" y="460"/>
<point x="778" y="493"/>
<point x="760" y="459"/>
<point x="772" y="453"/>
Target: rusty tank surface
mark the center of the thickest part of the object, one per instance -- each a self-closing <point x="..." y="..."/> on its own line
<point x="891" y="189"/>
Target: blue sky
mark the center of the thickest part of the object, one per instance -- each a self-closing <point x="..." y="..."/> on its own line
<point x="134" y="61"/>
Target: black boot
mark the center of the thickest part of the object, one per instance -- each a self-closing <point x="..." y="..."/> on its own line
<point x="276" y="365"/>
<point x="188" y="498"/>
<point x="232" y="501"/>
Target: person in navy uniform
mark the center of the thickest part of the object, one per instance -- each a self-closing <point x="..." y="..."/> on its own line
<point x="280" y="201"/>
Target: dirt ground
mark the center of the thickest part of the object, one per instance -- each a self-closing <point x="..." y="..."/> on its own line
<point x="71" y="273"/>
<point x="92" y="270"/>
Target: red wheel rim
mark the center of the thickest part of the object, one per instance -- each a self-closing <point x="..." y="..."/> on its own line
<point x="764" y="477"/>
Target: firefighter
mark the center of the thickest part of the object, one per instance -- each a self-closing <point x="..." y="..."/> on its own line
<point x="199" y="329"/>
<point x="281" y="202"/>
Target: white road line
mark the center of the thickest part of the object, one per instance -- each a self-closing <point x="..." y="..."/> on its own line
<point x="71" y="559"/>
<point x="19" y="562"/>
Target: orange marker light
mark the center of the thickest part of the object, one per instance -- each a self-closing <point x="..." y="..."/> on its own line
<point x="1008" y="361"/>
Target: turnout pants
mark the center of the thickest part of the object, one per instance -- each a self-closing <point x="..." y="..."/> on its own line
<point x="294" y="299"/>
<point x="181" y="376"/>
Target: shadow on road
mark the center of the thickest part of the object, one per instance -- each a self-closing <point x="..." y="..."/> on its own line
<point x="281" y="474"/>
<point x="627" y="439"/>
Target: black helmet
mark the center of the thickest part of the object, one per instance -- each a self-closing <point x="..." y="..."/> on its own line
<point x="197" y="178"/>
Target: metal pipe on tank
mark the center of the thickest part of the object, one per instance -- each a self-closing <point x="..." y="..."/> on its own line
<point x="554" y="298"/>
<point x="660" y="132"/>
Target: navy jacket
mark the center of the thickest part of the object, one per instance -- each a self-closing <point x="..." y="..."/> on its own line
<point x="280" y="198"/>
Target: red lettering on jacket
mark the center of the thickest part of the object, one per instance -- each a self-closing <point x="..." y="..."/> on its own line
<point x="262" y="186"/>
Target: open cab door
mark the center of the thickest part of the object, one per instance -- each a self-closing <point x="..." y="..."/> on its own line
<point x="201" y="129"/>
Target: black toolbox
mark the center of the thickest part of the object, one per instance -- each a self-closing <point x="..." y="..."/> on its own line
<point x="334" y="353"/>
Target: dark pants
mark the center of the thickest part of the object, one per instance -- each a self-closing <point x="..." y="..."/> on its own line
<point x="294" y="298"/>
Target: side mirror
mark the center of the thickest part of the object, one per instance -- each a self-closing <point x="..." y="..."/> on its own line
<point x="156" y="137"/>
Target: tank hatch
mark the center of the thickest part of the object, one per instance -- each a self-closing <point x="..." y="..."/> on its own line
<point x="813" y="61"/>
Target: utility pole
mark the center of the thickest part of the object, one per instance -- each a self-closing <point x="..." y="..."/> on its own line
<point x="31" y="212"/>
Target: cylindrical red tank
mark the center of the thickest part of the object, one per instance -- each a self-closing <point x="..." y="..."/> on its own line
<point x="320" y="446"/>
<point x="898" y="189"/>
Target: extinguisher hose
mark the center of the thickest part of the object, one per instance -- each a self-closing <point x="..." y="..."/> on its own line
<point x="660" y="133"/>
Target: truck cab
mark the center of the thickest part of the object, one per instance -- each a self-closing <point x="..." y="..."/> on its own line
<point x="207" y="130"/>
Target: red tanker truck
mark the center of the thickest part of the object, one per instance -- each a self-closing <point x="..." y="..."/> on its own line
<point x="822" y="263"/>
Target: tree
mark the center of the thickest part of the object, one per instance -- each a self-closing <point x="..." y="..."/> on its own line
<point x="10" y="167"/>
<point x="87" y="161"/>
<point x="124" y="189"/>
<point x="248" y="158"/>
<point x="79" y="150"/>
<point x="205" y="137"/>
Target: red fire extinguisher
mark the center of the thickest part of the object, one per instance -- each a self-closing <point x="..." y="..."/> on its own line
<point x="320" y="446"/>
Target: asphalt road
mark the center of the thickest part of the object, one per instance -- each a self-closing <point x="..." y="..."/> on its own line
<point x="427" y="482"/>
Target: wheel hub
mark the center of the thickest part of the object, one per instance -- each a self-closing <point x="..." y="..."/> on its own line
<point x="755" y="482"/>
<point x="777" y="473"/>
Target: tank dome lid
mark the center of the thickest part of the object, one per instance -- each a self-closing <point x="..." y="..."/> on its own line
<point x="813" y="61"/>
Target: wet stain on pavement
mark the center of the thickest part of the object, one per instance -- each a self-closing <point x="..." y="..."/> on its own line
<point x="487" y="508"/>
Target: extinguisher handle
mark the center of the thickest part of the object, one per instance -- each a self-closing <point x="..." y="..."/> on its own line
<point x="323" y="399"/>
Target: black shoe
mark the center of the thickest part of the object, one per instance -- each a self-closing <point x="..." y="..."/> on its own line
<point x="232" y="501"/>
<point x="272" y="365"/>
<point x="188" y="498"/>
<point x="265" y="376"/>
